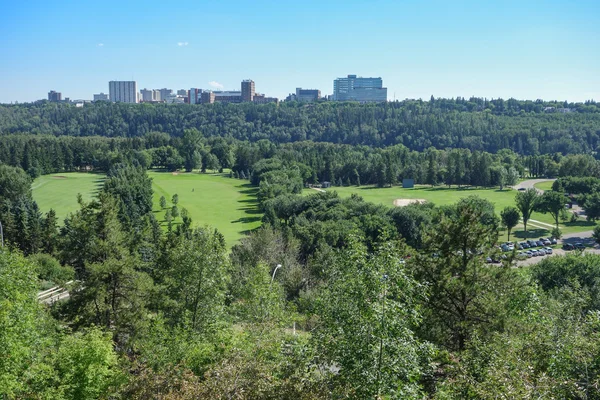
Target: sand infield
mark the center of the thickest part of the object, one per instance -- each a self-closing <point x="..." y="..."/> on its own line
<point x="405" y="202"/>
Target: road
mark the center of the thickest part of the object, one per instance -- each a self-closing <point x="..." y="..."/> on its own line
<point x="530" y="184"/>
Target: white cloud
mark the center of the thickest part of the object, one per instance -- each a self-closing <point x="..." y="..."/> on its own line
<point x="216" y="84"/>
<point x="100" y="44"/>
<point x="181" y="44"/>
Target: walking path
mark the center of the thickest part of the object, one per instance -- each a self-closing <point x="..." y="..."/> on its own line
<point x="530" y="184"/>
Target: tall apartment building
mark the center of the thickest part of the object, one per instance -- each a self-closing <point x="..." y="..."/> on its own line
<point x="123" y="91"/>
<point x="101" y="97"/>
<point x="360" y="89"/>
<point x="248" y="90"/>
<point x="147" y="95"/>
<point x="164" y="93"/>
<point x="207" y="97"/>
<point x="54" y="96"/>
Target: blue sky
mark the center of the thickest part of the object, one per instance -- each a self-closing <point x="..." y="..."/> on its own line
<point x="523" y="49"/>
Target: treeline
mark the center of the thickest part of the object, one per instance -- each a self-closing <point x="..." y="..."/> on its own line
<point x="331" y="298"/>
<point x="474" y="124"/>
<point x="314" y="163"/>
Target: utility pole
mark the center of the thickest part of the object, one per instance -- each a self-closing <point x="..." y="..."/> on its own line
<point x="1" y="235"/>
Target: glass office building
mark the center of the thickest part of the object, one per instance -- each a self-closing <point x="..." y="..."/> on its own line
<point x="359" y="89"/>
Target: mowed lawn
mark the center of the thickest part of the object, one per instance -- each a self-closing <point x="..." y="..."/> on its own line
<point x="230" y="205"/>
<point x="442" y="195"/>
<point x="59" y="191"/>
<point x="544" y="185"/>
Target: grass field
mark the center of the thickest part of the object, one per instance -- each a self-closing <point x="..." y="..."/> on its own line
<point x="59" y="191"/>
<point x="544" y="185"/>
<point x="442" y="195"/>
<point x="227" y="204"/>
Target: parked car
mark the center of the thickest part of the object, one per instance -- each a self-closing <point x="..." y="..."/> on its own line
<point x="521" y="189"/>
<point x="553" y="241"/>
<point x="546" y="242"/>
<point x="489" y="260"/>
<point x="528" y="254"/>
<point x="548" y="250"/>
<point x="568" y="246"/>
<point x="579" y="246"/>
<point x="525" y="245"/>
<point x="532" y="243"/>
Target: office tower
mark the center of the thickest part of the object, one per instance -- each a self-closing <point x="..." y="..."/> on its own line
<point x="207" y="97"/>
<point x="355" y="88"/>
<point x="101" y="97"/>
<point x="54" y="96"/>
<point x="123" y="91"/>
<point x="182" y="92"/>
<point x="248" y="90"/>
<point x="307" y="95"/>
<point x="146" y="95"/>
<point x="195" y="96"/>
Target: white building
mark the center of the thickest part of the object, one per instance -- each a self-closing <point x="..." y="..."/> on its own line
<point x="101" y="97"/>
<point x="123" y="91"/>
<point x="163" y="93"/>
<point x="146" y="95"/>
<point x="360" y="89"/>
<point x="174" y="99"/>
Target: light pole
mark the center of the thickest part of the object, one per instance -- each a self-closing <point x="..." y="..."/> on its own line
<point x="1" y="234"/>
<point x="274" y="271"/>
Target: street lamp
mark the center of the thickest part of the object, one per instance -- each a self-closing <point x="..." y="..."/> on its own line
<point x="1" y="235"/>
<point x="274" y="271"/>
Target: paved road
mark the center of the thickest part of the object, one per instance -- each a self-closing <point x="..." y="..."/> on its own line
<point x="530" y="184"/>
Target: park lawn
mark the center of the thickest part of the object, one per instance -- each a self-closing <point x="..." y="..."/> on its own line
<point x="59" y="191"/>
<point x="228" y="204"/>
<point x="544" y="185"/>
<point x="442" y="195"/>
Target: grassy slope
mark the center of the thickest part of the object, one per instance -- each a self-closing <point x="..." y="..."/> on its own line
<point x="442" y="195"/>
<point x="59" y="191"/>
<point x="227" y="204"/>
<point x="544" y="185"/>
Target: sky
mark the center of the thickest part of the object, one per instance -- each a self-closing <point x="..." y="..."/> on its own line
<point x="524" y="49"/>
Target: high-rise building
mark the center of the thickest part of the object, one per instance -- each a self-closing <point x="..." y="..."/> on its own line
<point x="307" y="95"/>
<point x="146" y="95"/>
<point x="195" y="96"/>
<point x="182" y="92"/>
<point x="54" y="96"/>
<point x="248" y="90"/>
<point x="123" y="91"/>
<point x="101" y="97"/>
<point x="155" y="95"/>
<point x="164" y="93"/>
<point x="207" y="97"/>
<point x="360" y="89"/>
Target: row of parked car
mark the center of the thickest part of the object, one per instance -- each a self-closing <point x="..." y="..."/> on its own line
<point x="529" y="244"/>
<point x="576" y="246"/>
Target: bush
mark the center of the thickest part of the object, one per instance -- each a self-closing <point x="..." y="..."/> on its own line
<point x="556" y="233"/>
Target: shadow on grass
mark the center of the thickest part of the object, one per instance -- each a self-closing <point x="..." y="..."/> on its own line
<point x="580" y="223"/>
<point x="247" y="220"/>
<point x="530" y="234"/>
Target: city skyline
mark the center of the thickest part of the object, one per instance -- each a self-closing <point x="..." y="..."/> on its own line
<point x="525" y="50"/>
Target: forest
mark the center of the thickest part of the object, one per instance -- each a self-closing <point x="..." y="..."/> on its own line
<point x="525" y="127"/>
<point x="332" y="297"/>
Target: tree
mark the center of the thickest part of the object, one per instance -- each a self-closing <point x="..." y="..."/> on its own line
<point x="14" y="183"/>
<point x="596" y="234"/>
<point x="175" y="199"/>
<point x="526" y="202"/>
<point x="465" y="296"/>
<point x="591" y="205"/>
<point x="174" y="212"/>
<point x="366" y="312"/>
<point x="512" y="177"/>
<point x="510" y="218"/>
<point x="163" y="202"/>
<point x="551" y="202"/>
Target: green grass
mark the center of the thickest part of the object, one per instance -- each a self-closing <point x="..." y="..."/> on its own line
<point x="442" y="195"/>
<point x="230" y="205"/>
<point x="227" y="204"/>
<point x="59" y="191"/>
<point x="544" y="185"/>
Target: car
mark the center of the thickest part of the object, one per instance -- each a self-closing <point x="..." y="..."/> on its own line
<point x="525" y="245"/>
<point x="521" y="189"/>
<point x="579" y="246"/>
<point x="532" y="243"/>
<point x="519" y="246"/>
<point x="547" y="242"/>
<point x="528" y="254"/>
<point x="568" y="246"/>
<point x="548" y="250"/>
<point x="489" y="260"/>
<point x="540" y="243"/>
<point x="553" y="241"/>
